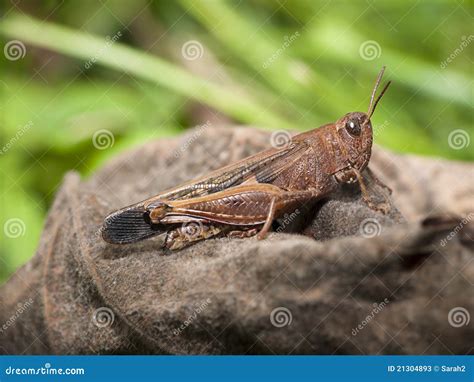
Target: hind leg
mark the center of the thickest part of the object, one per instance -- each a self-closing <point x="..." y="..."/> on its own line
<point x="190" y="233"/>
<point x="242" y="234"/>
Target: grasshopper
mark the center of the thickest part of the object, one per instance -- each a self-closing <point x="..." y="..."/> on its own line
<point x="243" y="199"/>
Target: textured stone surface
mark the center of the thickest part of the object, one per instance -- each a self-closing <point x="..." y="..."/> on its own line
<point x="342" y="279"/>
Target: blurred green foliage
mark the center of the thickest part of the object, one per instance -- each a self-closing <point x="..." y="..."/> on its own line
<point x="275" y="64"/>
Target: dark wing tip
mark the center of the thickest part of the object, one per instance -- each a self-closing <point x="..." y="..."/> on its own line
<point x="127" y="226"/>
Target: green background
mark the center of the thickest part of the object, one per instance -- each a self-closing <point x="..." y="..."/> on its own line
<point x="124" y="67"/>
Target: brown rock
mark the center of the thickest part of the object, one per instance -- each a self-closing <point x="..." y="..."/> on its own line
<point x="369" y="283"/>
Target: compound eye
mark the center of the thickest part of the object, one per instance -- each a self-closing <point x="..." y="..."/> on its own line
<point x="353" y="127"/>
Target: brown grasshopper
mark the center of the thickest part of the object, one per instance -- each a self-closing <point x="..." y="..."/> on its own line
<point x="243" y="199"/>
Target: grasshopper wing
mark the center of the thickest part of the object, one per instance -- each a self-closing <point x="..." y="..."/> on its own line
<point x="128" y="225"/>
<point x="132" y="223"/>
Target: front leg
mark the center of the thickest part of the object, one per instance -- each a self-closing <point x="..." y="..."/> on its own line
<point x="352" y="175"/>
<point x="377" y="180"/>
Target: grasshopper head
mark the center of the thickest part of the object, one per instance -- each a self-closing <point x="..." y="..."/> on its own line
<point x="355" y="134"/>
<point x="355" y="130"/>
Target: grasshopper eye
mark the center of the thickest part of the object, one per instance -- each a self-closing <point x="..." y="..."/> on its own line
<point x="353" y="127"/>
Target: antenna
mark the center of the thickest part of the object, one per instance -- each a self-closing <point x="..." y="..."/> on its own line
<point x="373" y="104"/>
